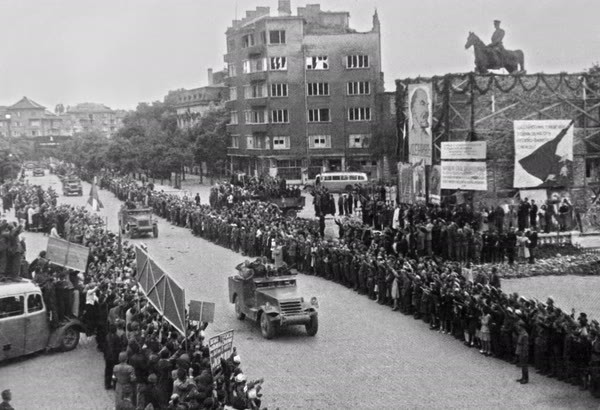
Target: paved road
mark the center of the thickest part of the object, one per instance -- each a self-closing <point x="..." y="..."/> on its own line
<point x="364" y="357"/>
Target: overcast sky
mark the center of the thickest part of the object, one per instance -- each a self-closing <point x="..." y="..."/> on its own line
<point x="121" y="52"/>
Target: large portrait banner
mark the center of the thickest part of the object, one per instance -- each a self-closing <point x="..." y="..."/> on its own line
<point x="543" y="153"/>
<point x="405" y="183"/>
<point x="419" y="123"/>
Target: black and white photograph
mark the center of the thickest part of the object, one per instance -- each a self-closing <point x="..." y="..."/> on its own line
<point x="291" y="204"/>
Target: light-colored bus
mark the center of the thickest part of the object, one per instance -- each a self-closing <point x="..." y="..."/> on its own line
<point x="338" y="182"/>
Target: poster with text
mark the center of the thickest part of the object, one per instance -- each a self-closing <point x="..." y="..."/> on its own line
<point x="405" y="183"/>
<point x="543" y="153"/>
<point x="469" y="176"/>
<point x="419" y="123"/>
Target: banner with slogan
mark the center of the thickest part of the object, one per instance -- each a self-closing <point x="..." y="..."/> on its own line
<point x="67" y="254"/>
<point x="419" y="182"/>
<point x="464" y="175"/>
<point x="220" y="347"/>
<point x="405" y="184"/>
<point x="167" y="297"/>
<point x="464" y="150"/>
<point x="435" y="185"/>
<point x="419" y="123"/>
<point x="543" y="153"/>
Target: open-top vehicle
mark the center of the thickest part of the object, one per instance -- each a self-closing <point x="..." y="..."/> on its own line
<point x="38" y="172"/>
<point x="24" y="324"/>
<point x="137" y="222"/>
<point x="72" y="185"/>
<point x="273" y="301"/>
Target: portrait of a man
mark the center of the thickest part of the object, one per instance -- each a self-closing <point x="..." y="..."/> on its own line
<point x="419" y="117"/>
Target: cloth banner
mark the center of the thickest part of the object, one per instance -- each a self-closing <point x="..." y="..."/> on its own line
<point x="220" y="347"/>
<point x="419" y="123"/>
<point x="464" y="175"/>
<point x="167" y="297"/>
<point x="543" y="153"/>
<point x="464" y="150"/>
<point x="539" y="195"/>
<point x="67" y="254"/>
<point x="405" y="184"/>
<point x="435" y="184"/>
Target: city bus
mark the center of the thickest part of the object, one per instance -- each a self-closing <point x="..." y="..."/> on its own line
<point x="338" y="182"/>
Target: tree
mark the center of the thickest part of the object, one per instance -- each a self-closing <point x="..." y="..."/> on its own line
<point x="210" y="140"/>
<point x="87" y="150"/>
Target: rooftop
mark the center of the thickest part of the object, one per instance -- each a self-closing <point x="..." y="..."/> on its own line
<point x="26" y="104"/>
<point x="89" y="107"/>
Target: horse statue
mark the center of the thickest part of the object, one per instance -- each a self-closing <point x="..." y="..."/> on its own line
<point x="488" y="58"/>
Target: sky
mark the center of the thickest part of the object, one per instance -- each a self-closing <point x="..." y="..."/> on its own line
<point x="121" y="52"/>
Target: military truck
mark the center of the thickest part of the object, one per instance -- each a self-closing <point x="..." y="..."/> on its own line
<point x="274" y="302"/>
<point x="72" y="185"/>
<point x="137" y="222"/>
<point x="25" y="327"/>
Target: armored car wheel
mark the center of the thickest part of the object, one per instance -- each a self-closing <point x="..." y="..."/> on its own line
<point x="312" y="327"/>
<point x="238" y="309"/>
<point x="267" y="327"/>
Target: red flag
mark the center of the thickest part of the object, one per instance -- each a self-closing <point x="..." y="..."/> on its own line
<point x="94" y="199"/>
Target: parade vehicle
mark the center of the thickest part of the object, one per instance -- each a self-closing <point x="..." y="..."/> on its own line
<point x="72" y="185"/>
<point x="289" y="206"/>
<point x="137" y="222"/>
<point x="25" y="326"/>
<point x="340" y="182"/>
<point x="38" y="172"/>
<point x="273" y="301"/>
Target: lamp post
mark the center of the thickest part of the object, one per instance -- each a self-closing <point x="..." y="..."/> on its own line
<point x="8" y="117"/>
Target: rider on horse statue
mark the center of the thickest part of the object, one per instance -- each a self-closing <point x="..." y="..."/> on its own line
<point x="496" y="45"/>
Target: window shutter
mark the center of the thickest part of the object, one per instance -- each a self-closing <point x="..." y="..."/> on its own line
<point x="287" y="142"/>
<point x="328" y="141"/>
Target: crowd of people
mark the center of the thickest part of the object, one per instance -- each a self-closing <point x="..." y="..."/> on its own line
<point x="404" y="267"/>
<point x="148" y="362"/>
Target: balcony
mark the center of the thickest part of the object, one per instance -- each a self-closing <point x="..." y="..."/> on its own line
<point x="257" y="101"/>
<point x="257" y="76"/>
<point x="258" y="127"/>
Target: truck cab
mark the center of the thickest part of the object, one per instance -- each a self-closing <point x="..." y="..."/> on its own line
<point x="274" y="302"/>
<point x="24" y="324"/>
<point x="137" y="222"/>
<point x="72" y="185"/>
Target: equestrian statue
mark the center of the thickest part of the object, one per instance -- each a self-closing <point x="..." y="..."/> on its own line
<point x="494" y="56"/>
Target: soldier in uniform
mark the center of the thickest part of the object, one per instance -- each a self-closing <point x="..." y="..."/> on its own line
<point x="496" y="45"/>
<point x="125" y="380"/>
<point x="522" y="352"/>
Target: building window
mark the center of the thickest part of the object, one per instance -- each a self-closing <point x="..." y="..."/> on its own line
<point x="232" y="93"/>
<point x="249" y="142"/>
<point x="320" y="141"/>
<point x="358" y="61"/>
<point x="255" y="116"/>
<point x="231" y="70"/>
<point x="319" y="115"/>
<point x="263" y="37"/>
<point x="359" y="114"/>
<point x="317" y="89"/>
<point x="281" y="142"/>
<point x="359" y="88"/>
<point x="279" y="116"/>
<point x="235" y="141"/>
<point x="34" y="123"/>
<point x="33" y="133"/>
<point x="233" y="117"/>
<point x="359" y="140"/>
<point x="258" y="90"/>
<point x="277" y="37"/>
<point x="279" y="90"/>
<point x="317" y="63"/>
<point x="278" y="64"/>
<point x="247" y="40"/>
<point x="255" y="65"/>
<point x="230" y="45"/>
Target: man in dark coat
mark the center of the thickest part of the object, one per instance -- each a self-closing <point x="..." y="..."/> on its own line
<point x="522" y="352"/>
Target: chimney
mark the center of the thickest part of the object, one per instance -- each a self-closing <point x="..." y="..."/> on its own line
<point x="210" y="77"/>
<point x="285" y="8"/>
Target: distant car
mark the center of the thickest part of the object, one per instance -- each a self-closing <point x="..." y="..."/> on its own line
<point x="273" y="302"/>
<point x="38" y="172"/>
<point x="24" y="324"/>
<point x="72" y="186"/>
<point x="137" y="222"/>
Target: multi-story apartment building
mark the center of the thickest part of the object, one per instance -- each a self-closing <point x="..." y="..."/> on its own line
<point x="26" y="118"/>
<point x="192" y="104"/>
<point x="302" y="91"/>
<point x="86" y="117"/>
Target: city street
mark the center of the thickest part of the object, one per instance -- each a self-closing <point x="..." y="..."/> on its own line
<point x="364" y="357"/>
